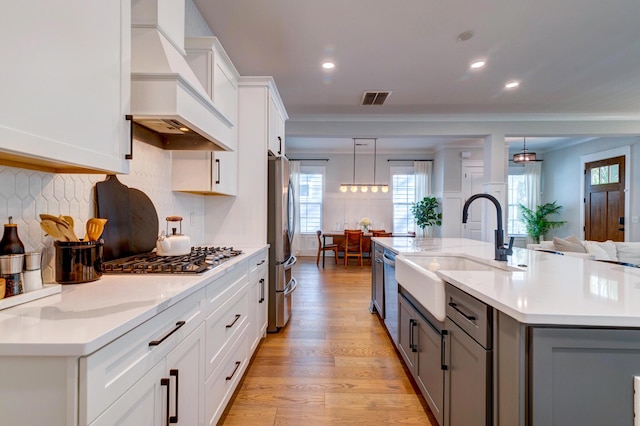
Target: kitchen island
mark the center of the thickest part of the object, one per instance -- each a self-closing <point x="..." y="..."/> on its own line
<point x="110" y="351"/>
<point x="540" y="339"/>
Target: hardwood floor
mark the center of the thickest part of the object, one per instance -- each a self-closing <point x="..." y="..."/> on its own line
<point x="332" y="364"/>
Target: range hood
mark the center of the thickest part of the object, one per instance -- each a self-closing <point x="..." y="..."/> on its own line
<point x="167" y="98"/>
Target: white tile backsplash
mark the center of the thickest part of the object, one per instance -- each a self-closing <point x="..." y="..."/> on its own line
<point x="24" y="194"/>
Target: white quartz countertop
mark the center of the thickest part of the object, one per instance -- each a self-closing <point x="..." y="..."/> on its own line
<point x="84" y="317"/>
<point x="550" y="289"/>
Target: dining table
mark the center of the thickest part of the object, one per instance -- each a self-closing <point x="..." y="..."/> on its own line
<point x="338" y="238"/>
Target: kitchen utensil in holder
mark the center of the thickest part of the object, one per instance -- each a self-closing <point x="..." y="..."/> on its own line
<point x="79" y="261"/>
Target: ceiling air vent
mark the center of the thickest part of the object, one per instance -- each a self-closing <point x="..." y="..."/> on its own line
<point x="374" y="98"/>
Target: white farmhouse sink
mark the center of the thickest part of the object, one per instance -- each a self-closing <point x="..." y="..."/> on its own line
<point x="412" y="273"/>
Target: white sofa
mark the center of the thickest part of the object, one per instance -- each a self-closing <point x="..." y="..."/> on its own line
<point x="625" y="252"/>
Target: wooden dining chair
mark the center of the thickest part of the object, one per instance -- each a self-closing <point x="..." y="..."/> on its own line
<point x="381" y="233"/>
<point x="352" y="245"/>
<point x="321" y="248"/>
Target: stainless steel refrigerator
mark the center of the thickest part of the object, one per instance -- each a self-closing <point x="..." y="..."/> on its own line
<point x="280" y="232"/>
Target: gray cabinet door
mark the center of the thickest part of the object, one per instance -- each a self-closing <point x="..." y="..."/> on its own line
<point x="378" y="280"/>
<point x="429" y="374"/>
<point x="583" y="376"/>
<point x="406" y="333"/>
<point x="467" y="384"/>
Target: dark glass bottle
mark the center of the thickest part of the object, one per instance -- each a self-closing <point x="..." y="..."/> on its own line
<point x="10" y="243"/>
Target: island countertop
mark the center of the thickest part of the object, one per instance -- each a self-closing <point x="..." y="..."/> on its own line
<point x="84" y="317"/>
<point x="541" y="288"/>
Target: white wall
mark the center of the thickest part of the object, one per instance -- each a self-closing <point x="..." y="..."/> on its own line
<point x="563" y="178"/>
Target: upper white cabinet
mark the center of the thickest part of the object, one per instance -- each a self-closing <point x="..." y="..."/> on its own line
<point x="65" y="84"/>
<point x="218" y="75"/>
<point x="260" y="100"/>
<point x="205" y="172"/>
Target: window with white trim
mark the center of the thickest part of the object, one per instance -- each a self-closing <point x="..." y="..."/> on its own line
<point x="311" y="194"/>
<point x="403" y="193"/>
<point x="516" y="195"/>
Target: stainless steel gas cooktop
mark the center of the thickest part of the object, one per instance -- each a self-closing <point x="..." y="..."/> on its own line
<point x="200" y="259"/>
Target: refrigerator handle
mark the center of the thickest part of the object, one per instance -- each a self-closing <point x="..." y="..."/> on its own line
<point x="292" y="287"/>
<point x="292" y="261"/>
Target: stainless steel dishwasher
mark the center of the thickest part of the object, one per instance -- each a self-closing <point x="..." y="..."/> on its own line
<point x="390" y="294"/>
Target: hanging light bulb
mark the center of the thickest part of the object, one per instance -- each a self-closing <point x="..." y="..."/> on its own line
<point x="385" y="189"/>
<point x="374" y="188"/>
<point x="354" y="188"/>
<point x="343" y="188"/>
<point x="364" y="188"/>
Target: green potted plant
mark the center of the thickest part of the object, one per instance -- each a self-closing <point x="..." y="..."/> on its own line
<point x="426" y="213"/>
<point x="537" y="223"/>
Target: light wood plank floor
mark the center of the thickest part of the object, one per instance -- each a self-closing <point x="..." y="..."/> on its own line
<point x="332" y="364"/>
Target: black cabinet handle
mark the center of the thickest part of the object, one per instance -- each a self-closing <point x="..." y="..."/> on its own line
<point x="129" y="118"/>
<point x="218" y="169"/>
<point x="412" y="344"/>
<point x="443" y="364"/>
<point x="280" y="145"/>
<point x="233" y="373"/>
<point x="234" y="321"/>
<point x="261" y="290"/>
<point x="157" y="342"/>
<point x="165" y="382"/>
<point x="467" y="316"/>
<point x="174" y="372"/>
<point x="258" y="264"/>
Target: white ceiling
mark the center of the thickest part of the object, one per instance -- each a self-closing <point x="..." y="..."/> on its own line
<point x="571" y="56"/>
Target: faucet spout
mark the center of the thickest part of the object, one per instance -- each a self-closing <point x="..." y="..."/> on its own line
<point x="501" y="251"/>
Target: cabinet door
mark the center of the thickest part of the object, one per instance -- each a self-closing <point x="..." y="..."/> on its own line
<point x="185" y="368"/>
<point x="145" y="403"/>
<point x="66" y="89"/>
<point x="204" y="172"/>
<point x="467" y="386"/>
<point x="406" y="333"/>
<point x="276" y="129"/>
<point x="429" y="374"/>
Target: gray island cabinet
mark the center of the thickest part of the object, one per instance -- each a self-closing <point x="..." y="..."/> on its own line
<point x="536" y="374"/>
<point x="537" y="340"/>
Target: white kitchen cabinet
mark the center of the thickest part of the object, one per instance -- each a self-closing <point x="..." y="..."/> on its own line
<point x="205" y="172"/>
<point x="276" y="127"/>
<point x="65" y="85"/>
<point x="261" y="101"/>
<point x="259" y="297"/>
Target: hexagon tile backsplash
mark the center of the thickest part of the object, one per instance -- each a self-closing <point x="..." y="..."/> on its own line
<point x="24" y="194"/>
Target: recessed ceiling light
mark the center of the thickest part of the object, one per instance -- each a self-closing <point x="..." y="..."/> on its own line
<point x="478" y="64"/>
<point x="512" y="84"/>
<point x="465" y="36"/>
<point x="328" y="65"/>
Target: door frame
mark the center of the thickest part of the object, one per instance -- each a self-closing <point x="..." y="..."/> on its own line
<point x="603" y="155"/>
<point x="467" y="192"/>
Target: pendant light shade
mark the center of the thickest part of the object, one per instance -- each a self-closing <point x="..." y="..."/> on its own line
<point x="524" y="156"/>
<point x="364" y="187"/>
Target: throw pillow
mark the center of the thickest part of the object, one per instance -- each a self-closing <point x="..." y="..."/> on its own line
<point x="628" y="252"/>
<point x="569" y="244"/>
<point x="602" y="251"/>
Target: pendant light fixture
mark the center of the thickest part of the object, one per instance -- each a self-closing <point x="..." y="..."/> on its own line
<point x="364" y="187"/>
<point x="524" y="156"/>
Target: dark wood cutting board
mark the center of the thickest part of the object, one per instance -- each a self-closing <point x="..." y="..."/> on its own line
<point x="132" y="226"/>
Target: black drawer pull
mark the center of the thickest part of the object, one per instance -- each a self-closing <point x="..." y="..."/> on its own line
<point x="174" y="372"/>
<point x="258" y="264"/>
<point x="165" y="382"/>
<point x="157" y="342"/>
<point x="261" y="290"/>
<point x="467" y="316"/>
<point x="234" y="370"/>
<point x="129" y="118"/>
<point x="234" y="321"/>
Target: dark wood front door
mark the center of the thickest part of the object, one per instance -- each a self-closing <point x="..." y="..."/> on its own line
<point x="604" y="199"/>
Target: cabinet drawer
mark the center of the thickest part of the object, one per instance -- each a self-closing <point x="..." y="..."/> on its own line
<point x="258" y="264"/>
<point x="107" y="373"/>
<point x="224" y="325"/>
<point x="221" y="289"/>
<point x="220" y="386"/>
<point x="470" y="314"/>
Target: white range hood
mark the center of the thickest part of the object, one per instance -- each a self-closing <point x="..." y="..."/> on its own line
<point x="166" y="96"/>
